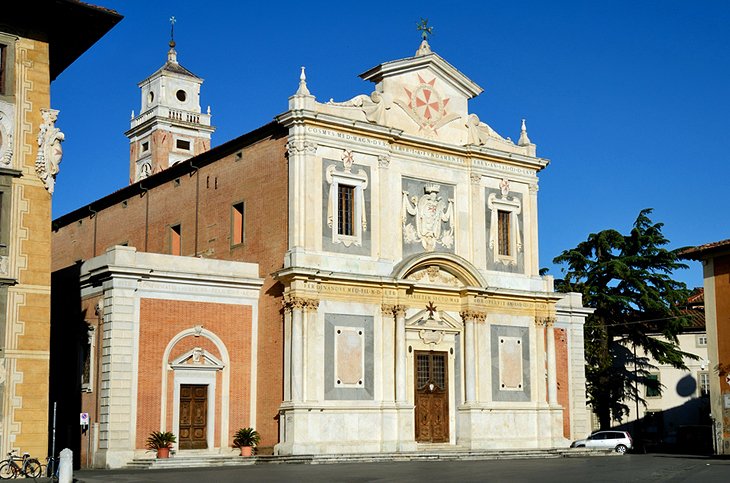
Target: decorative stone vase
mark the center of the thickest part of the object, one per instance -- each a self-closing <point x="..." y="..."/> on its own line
<point x="163" y="452"/>
<point x="246" y="450"/>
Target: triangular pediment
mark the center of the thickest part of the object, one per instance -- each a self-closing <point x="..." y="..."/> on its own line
<point x="439" y="321"/>
<point x="423" y="96"/>
<point x="197" y="358"/>
<point x="432" y="64"/>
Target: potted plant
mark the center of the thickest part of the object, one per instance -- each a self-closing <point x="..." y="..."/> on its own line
<point x="246" y="439"/>
<point x="161" y="442"/>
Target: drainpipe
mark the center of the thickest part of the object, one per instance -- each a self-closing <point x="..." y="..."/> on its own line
<point x="146" y="215"/>
<point x="93" y="215"/>
<point x="197" y="206"/>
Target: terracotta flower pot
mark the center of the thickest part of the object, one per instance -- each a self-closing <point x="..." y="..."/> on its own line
<point x="163" y="452"/>
<point x="246" y="450"/>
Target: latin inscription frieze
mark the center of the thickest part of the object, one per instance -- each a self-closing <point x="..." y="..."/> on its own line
<point x="346" y="136"/>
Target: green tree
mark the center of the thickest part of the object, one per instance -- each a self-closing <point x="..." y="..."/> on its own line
<point x="627" y="279"/>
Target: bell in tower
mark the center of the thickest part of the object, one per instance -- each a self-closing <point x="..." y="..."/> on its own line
<point x="170" y="127"/>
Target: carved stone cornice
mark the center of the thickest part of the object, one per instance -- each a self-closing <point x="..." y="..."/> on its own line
<point x="473" y="315"/>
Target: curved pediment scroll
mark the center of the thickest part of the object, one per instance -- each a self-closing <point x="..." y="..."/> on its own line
<point x="440" y="268"/>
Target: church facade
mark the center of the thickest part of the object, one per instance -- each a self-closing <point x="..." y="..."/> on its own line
<point x="394" y="258"/>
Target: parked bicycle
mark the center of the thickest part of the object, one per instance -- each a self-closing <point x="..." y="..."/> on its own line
<point x="30" y="467"/>
<point x="52" y="468"/>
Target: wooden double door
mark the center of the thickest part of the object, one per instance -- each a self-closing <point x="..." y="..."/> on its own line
<point x="193" y="416"/>
<point x="432" y="397"/>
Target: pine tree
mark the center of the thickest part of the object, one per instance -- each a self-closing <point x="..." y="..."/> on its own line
<point x="627" y="279"/>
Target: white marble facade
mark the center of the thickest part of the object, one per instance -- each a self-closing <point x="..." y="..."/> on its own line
<point x="425" y="320"/>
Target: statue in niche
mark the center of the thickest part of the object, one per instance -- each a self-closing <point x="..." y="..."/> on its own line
<point x="145" y="170"/>
<point x="431" y="211"/>
<point x="49" y="149"/>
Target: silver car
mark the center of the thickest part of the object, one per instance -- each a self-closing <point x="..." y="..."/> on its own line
<point x="620" y="441"/>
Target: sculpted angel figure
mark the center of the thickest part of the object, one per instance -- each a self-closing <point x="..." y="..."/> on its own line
<point x="430" y="211"/>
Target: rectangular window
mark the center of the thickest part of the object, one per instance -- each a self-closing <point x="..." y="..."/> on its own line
<point x="703" y="383"/>
<point x="183" y="144"/>
<point x="345" y="210"/>
<point x="702" y="340"/>
<point x="653" y="390"/>
<point x="503" y="233"/>
<point x="175" y="240"/>
<point x="145" y="146"/>
<point x="237" y="224"/>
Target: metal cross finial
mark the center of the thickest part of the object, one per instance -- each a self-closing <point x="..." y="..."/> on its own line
<point x="431" y="309"/>
<point x="423" y="27"/>
<point x="172" y="31"/>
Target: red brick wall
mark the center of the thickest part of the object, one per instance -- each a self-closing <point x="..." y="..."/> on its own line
<point x="259" y="178"/>
<point x="89" y="399"/>
<point x="722" y="307"/>
<point x="160" y="321"/>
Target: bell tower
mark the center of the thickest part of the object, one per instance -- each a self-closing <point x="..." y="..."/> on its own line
<point x="170" y="127"/>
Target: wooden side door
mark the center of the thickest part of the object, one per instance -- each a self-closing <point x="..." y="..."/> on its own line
<point x="432" y="397"/>
<point x="193" y="416"/>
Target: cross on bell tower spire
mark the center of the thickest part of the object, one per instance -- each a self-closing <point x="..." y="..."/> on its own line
<point x="171" y="54"/>
<point x="171" y="126"/>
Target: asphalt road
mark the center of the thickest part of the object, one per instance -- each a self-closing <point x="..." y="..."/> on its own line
<point x="630" y="467"/>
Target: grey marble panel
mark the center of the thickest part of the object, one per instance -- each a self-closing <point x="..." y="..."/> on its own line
<point x="417" y="188"/>
<point x="508" y="331"/>
<point x="331" y="392"/>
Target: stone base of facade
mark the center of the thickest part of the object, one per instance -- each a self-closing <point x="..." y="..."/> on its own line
<point x="113" y="458"/>
<point x="482" y="426"/>
<point x="381" y="428"/>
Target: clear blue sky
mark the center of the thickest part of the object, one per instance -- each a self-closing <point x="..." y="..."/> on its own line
<point x="628" y="99"/>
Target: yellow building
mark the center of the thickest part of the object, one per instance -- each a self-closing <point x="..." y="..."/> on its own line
<point x="38" y="40"/>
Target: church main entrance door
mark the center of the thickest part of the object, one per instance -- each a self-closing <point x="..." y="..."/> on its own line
<point x="432" y="397"/>
<point x="193" y="416"/>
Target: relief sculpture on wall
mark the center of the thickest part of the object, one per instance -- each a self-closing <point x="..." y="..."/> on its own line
<point x="429" y="219"/>
<point x="49" y="149"/>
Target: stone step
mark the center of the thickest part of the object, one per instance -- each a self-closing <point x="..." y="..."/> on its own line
<point x="449" y="453"/>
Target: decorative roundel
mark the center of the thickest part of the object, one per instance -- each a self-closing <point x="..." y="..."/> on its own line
<point x="427" y="104"/>
<point x="181" y="95"/>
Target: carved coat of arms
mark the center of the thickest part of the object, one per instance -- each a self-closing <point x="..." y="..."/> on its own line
<point x="428" y="219"/>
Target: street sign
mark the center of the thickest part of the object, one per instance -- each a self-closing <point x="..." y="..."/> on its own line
<point x="84" y="420"/>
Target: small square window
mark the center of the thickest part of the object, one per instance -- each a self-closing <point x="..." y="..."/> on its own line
<point x="182" y="144"/>
<point x="702" y="340"/>
<point x="654" y="389"/>
<point x="237" y="226"/>
<point x="145" y="146"/>
<point x="703" y="383"/>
